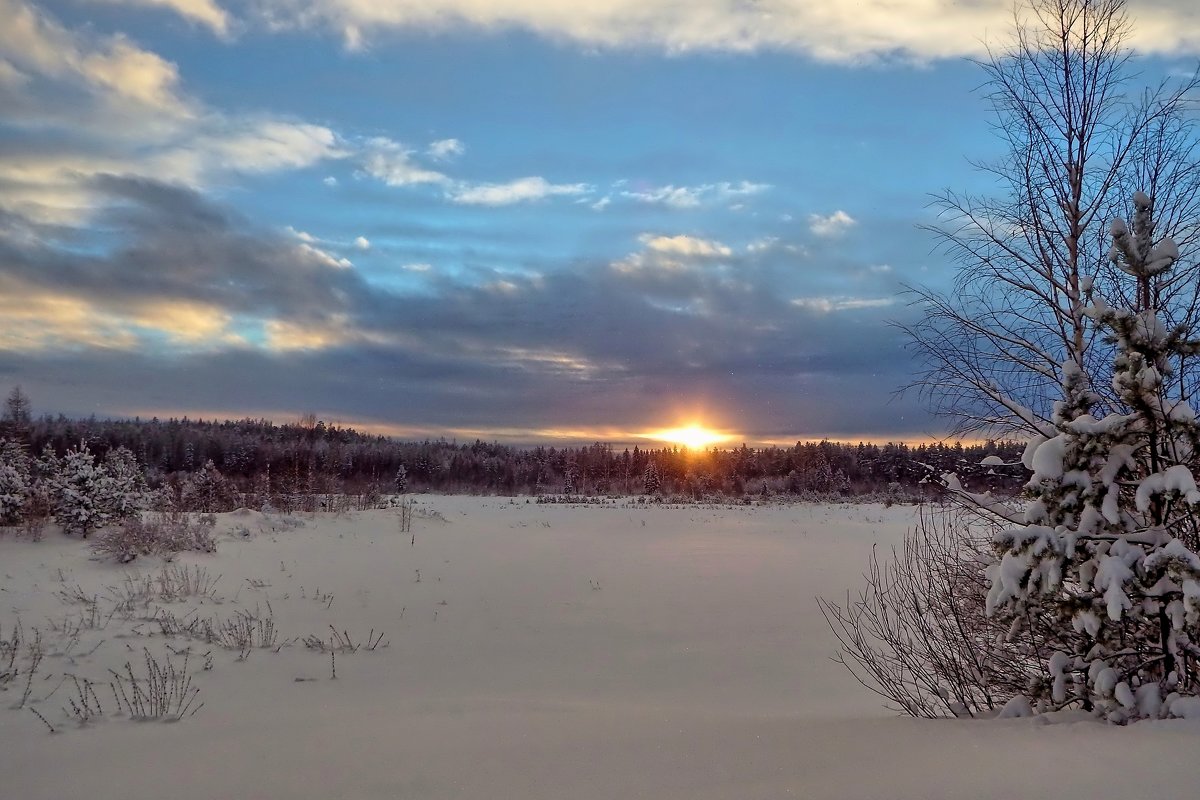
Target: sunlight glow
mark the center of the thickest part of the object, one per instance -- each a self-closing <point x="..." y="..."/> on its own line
<point x="694" y="437"/>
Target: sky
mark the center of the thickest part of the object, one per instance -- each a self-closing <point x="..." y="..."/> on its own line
<point x="515" y="220"/>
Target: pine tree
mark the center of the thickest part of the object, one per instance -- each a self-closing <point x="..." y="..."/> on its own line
<point x="81" y="492"/>
<point x="15" y="479"/>
<point x="17" y="417"/>
<point x="401" y="480"/>
<point x="651" y="480"/>
<point x="207" y="490"/>
<point x="128" y="493"/>
<point x="1101" y="578"/>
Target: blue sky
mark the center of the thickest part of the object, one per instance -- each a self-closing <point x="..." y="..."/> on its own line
<point x="515" y="219"/>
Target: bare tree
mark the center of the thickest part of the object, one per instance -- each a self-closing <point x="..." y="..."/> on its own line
<point x="995" y="349"/>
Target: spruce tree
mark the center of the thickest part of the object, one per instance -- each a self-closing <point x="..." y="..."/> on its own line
<point x="1101" y="579"/>
<point x="15" y="480"/>
<point x="651" y="480"/>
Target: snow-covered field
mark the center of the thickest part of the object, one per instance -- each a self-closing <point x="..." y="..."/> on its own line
<point x="528" y="651"/>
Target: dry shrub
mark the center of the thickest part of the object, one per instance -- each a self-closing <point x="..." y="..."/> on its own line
<point x="918" y="634"/>
<point x="159" y="534"/>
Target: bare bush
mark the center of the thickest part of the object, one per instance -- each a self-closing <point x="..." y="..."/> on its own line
<point x="159" y="534"/>
<point x="919" y="634"/>
<point x="165" y="692"/>
<point x="20" y="658"/>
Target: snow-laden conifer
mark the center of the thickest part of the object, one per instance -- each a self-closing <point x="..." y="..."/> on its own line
<point x="15" y="480"/>
<point x="82" y="491"/>
<point x="1106" y="550"/>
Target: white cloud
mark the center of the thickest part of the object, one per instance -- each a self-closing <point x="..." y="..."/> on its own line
<point x="693" y="196"/>
<point x="125" y="114"/>
<point x="303" y="236"/>
<point x="834" y="224"/>
<point x="204" y="12"/>
<point x="446" y="149"/>
<point x="684" y="245"/>
<point x="362" y="243"/>
<point x="762" y="245"/>
<point x="421" y="267"/>
<point x="518" y="191"/>
<point x="672" y="254"/>
<point x="602" y="203"/>
<point x="111" y="68"/>
<point x="837" y="31"/>
<point x="323" y="257"/>
<point x="391" y="162"/>
<point x="330" y="181"/>
<point x="826" y="305"/>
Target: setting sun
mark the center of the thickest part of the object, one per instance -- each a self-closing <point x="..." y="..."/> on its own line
<point x="692" y="436"/>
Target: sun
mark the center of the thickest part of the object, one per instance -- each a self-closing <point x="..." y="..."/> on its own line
<point x="693" y="437"/>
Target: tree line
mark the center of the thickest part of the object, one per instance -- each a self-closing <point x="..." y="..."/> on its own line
<point x="310" y="456"/>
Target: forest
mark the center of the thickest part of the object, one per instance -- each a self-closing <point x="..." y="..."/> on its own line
<point x="311" y="457"/>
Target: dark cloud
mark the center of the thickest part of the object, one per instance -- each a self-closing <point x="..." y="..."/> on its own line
<point x="587" y="345"/>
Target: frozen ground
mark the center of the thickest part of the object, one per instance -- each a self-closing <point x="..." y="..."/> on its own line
<point x="546" y="652"/>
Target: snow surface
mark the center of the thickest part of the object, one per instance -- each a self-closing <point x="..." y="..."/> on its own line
<point x="546" y="652"/>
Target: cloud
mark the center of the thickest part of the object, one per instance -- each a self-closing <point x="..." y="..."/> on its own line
<point x="362" y="243"/>
<point x="841" y="32"/>
<point x="445" y="149"/>
<point x="834" y="224"/>
<point x="111" y="68"/>
<point x="521" y="190"/>
<point x="693" y="196"/>
<point x="684" y="245"/>
<point x="256" y="317"/>
<point x="203" y="12"/>
<point x="392" y="163"/>
<point x="826" y="305"/>
<point x="672" y="254"/>
<point x="330" y="181"/>
<point x="91" y="104"/>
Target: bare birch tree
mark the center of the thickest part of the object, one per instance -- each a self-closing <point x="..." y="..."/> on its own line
<point x="1077" y="140"/>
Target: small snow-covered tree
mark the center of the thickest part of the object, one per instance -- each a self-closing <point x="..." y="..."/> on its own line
<point x="1108" y="545"/>
<point x="81" y="492"/>
<point x="15" y="480"/>
<point x="401" y="480"/>
<point x="128" y="493"/>
<point x="206" y="490"/>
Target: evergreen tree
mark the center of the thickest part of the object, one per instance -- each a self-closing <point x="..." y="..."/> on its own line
<point x="207" y="490"/>
<point x="401" y="480"/>
<point x="1105" y="556"/>
<point x="651" y="480"/>
<point x="82" y="492"/>
<point x="15" y="481"/>
<point x="128" y="493"/>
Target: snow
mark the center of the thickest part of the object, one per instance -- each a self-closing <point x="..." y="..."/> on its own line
<point x="1177" y="478"/>
<point x="1047" y="459"/>
<point x="546" y="652"/>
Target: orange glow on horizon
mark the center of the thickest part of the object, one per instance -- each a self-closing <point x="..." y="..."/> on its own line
<point x="693" y="437"/>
